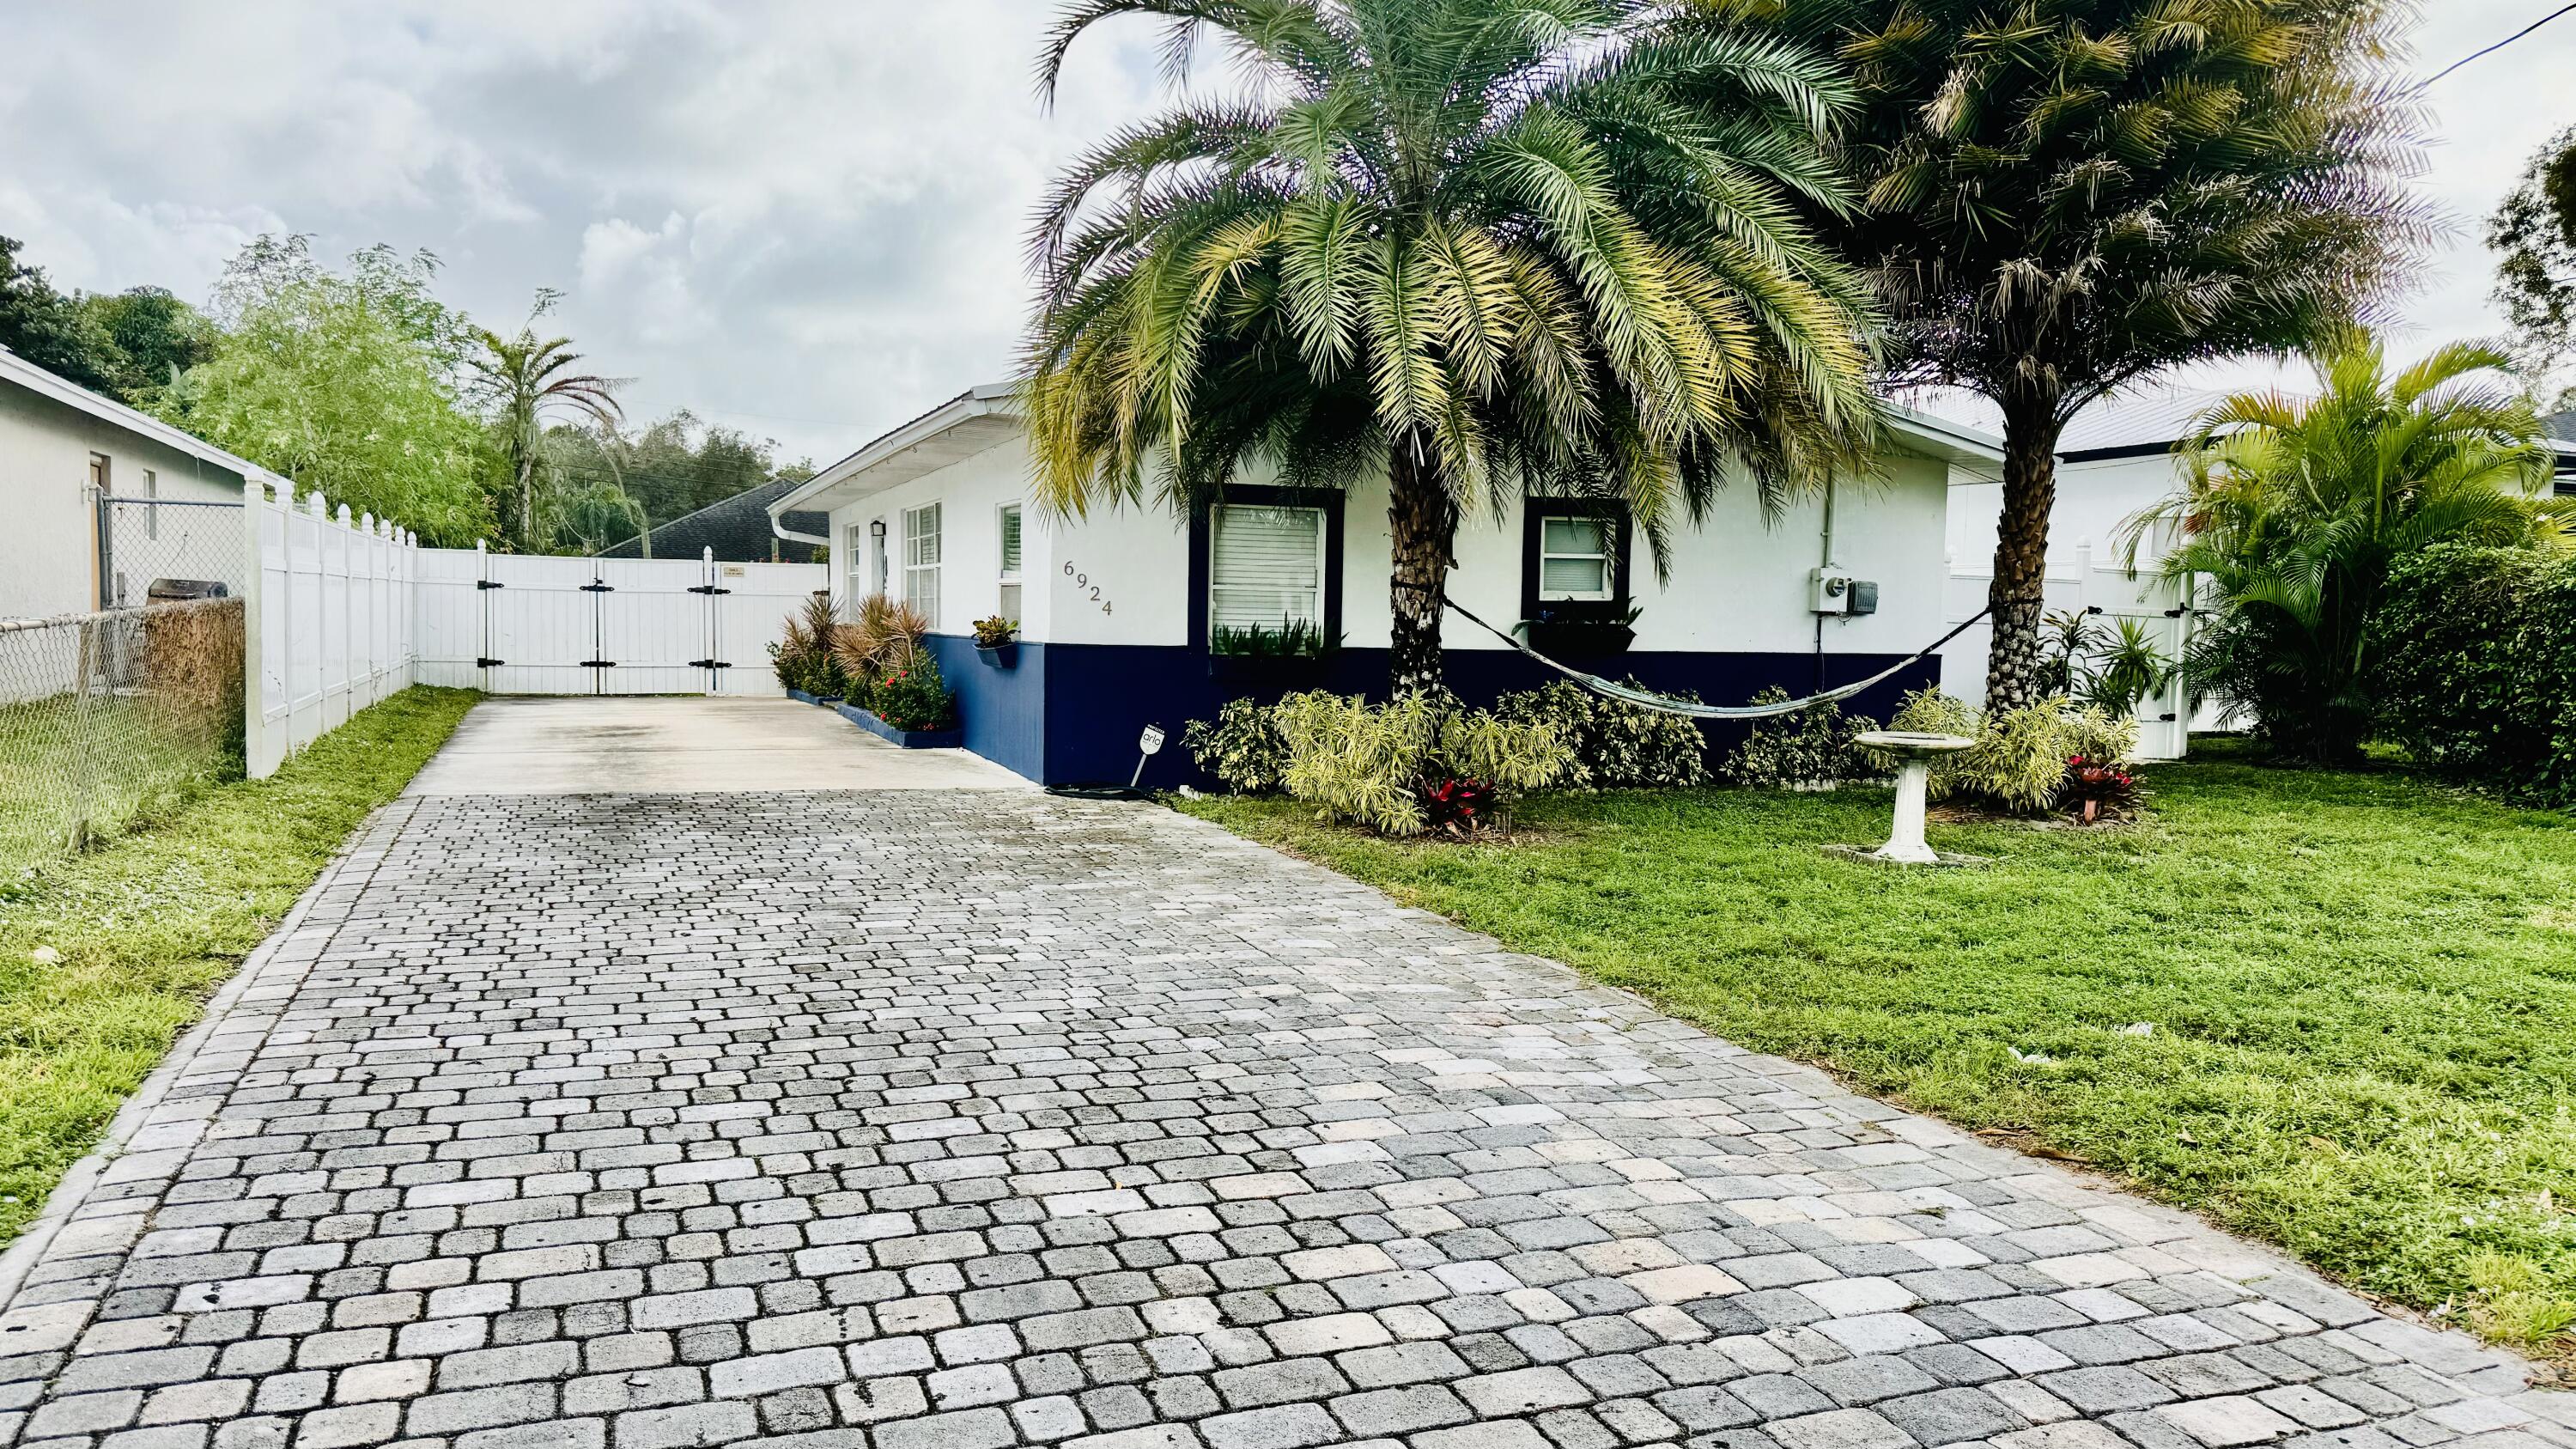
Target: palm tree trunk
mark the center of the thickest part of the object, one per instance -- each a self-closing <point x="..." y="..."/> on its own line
<point x="2019" y="593"/>
<point x="1423" y="521"/>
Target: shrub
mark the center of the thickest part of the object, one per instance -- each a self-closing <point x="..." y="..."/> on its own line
<point x="1381" y="765"/>
<point x="882" y="635"/>
<point x="912" y="696"/>
<point x="802" y="659"/>
<point x="1241" y="747"/>
<point x="2022" y="757"/>
<point x="1617" y="745"/>
<point x="2478" y="678"/>
<point x="1812" y="747"/>
<point x="1293" y="639"/>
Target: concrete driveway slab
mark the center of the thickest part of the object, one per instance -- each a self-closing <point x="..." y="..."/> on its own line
<point x="947" y="1119"/>
<point x="608" y="744"/>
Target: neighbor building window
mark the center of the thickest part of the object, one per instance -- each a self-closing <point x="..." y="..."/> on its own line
<point x="1576" y="556"/>
<point x="98" y="474"/>
<point x="1010" y="527"/>
<point x="1265" y="566"/>
<point x="921" y="560"/>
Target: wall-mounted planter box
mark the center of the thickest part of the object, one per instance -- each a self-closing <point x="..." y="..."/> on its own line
<point x="1291" y="671"/>
<point x="951" y="738"/>
<point x="1577" y="638"/>
<point x="999" y="656"/>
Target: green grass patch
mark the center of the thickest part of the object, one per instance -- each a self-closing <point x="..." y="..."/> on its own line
<point x="2362" y="991"/>
<point x="144" y="929"/>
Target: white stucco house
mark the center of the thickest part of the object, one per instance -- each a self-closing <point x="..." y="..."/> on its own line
<point x="1116" y="609"/>
<point x="64" y="449"/>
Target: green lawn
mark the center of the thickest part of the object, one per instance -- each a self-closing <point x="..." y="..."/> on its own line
<point x="105" y="764"/>
<point x="2362" y="990"/>
<point x="147" y="927"/>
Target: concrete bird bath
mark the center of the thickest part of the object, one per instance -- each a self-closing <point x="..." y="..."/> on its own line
<point x="1914" y="755"/>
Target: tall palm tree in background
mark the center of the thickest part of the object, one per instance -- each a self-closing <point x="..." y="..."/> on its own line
<point x="2066" y="196"/>
<point x="525" y="381"/>
<point x="1486" y="245"/>
<point x="2295" y="511"/>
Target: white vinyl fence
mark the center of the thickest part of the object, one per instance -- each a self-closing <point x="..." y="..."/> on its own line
<point x="532" y="624"/>
<point x="344" y="612"/>
<point x="330" y="623"/>
<point x="2164" y="726"/>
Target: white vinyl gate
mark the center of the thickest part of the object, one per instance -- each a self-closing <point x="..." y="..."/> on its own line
<point x="524" y="624"/>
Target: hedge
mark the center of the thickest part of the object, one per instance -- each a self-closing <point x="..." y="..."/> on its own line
<point x="2478" y="675"/>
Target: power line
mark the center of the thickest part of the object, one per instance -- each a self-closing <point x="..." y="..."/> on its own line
<point x="2569" y="9"/>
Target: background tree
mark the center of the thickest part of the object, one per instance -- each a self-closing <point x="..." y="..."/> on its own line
<point x="1488" y="245"/>
<point x="49" y="329"/>
<point x="2065" y="196"/>
<point x="343" y="381"/>
<point x="153" y="335"/>
<point x="2297" y="511"/>
<point x="524" y="381"/>
<point x="2535" y="233"/>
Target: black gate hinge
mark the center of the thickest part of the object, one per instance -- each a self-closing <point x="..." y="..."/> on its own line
<point x="707" y="589"/>
<point x="711" y="664"/>
<point x="487" y="663"/>
<point x="596" y="587"/>
<point x="487" y="583"/>
<point x="599" y="664"/>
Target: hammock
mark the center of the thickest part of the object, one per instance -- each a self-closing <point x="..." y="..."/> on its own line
<point x="1666" y="704"/>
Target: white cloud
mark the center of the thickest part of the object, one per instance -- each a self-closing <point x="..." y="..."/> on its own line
<point x="802" y="217"/>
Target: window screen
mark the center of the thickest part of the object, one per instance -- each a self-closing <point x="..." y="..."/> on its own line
<point x="921" y="560"/>
<point x="1267" y="566"/>
<point x="1574" y="559"/>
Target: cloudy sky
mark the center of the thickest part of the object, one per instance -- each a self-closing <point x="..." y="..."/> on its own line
<point x="798" y="218"/>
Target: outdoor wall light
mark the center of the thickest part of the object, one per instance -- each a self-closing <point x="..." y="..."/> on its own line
<point x="876" y="529"/>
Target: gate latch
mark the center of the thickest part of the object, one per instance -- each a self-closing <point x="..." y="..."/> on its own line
<point x="487" y="583"/>
<point x="599" y="664"/>
<point x="711" y="664"/>
<point x="596" y="587"/>
<point x="707" y="589"/>
<point x="487" y="663"/>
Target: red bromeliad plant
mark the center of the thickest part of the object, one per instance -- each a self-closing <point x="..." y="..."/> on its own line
<point x="2097" y="785"/>
<point x="1461" y="807"/>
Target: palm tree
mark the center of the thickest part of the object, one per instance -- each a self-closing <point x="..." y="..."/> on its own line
<point x="1486" y="245"/>
<point x="524" y="380"/>
<point x="2066" y="196"/>
<point x="2295" y="511"/>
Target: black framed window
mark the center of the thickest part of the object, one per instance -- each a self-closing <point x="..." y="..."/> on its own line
<point x="1574" y="558"/>
<point x="1278" y="561"/>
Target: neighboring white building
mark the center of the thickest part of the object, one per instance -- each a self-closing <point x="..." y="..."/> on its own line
<point x="1115" y="609"/>
<point x="64" y="449"/>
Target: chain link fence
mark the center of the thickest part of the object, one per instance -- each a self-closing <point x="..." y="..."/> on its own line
<point x="107" y="718"/>
<point x="160" y="549"/>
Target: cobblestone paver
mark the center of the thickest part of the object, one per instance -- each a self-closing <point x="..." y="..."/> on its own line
<point x="950" y="1121"/>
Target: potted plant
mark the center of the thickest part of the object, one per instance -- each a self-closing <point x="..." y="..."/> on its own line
<point x="1564" y="632"/>
<point x="1297" y="652"/>
<point x="997" y="641"/>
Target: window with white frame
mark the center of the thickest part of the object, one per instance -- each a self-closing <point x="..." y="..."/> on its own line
<point x="921" y="560"/>
<point x="1577" y="559"/>
<point x="1265" y="566"/>
<point x="1010" y="531"/>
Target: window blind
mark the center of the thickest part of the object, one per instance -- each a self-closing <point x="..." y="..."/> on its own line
<point x="1574" y="558"/>
<point x="1267" y="566"/>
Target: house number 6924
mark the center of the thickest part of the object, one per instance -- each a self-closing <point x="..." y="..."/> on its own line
<point x="1081" y="582"/>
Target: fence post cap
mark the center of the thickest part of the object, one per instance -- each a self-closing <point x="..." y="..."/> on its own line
<point x="344" y="515"/>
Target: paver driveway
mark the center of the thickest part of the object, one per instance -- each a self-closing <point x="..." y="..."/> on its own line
<point x="942" y="1120"/>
